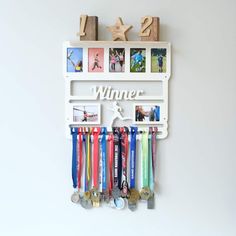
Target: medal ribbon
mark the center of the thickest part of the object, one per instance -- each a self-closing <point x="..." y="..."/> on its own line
<point x="74" y="132"/>
<point x="151" y="177"/>
<point x="119" y="161"/>
<point x="85" y="162"/>
<point x="104" y="159"/>
<point x="96" y="132"/>
<point x="88" y="157"/>
<point x="124" y="151"/>
<point x="80" y="156"/>
<point x="154" y="144"/>
<point x="152" y="156"/>
<point x="116" y="155"/>
<point x="100" y="163"/>
<point x="133" y="156"/>
<point x="145" y="162"/>
<point x="111" y="157"/>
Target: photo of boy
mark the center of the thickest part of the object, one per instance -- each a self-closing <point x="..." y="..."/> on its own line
<point x="74" y="59"/>
<point x="158" y="60"/>
<point x="137" y="60"/>
<point x="95" y="59"/>
<point x="116" y="59"/>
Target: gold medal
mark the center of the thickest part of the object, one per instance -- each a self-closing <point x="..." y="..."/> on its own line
<point x="145" y="193"/>
<point x="95" y="197"/>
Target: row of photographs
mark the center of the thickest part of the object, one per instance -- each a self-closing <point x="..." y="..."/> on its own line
<point x="137" y="57"/>
<point x="91" y="114"/>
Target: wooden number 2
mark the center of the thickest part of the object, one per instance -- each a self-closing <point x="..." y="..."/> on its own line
<point x="146" y="21"/>
<point x="83" y="24"/>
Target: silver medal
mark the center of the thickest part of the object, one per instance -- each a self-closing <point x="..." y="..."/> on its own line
<point x="119" y="203"/>
<point x="75" y="198"/>
<point x="151" y="202"/>
<point x="86" y="203"/>
<point x="111" y="203"/>
<point x="116" y="193"/>
<point x="132" y="205"/>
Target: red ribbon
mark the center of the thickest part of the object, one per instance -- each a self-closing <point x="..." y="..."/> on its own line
<point x="95" y="132"/>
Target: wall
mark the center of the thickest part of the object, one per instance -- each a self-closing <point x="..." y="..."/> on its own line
<point x="196" y="163"/>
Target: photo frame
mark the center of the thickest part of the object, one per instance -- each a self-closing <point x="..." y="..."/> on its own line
<point x="85" y="113"/>
<point x="74" y="57"/>
<point x="124" y="74"/>
<point x="158" y="60"/>
<point x="96" y="60"/>
<point x="148" y="113"/>
<point x="137" y="60"/>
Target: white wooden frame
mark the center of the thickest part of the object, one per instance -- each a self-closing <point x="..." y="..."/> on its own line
<point x="84" y="76"/>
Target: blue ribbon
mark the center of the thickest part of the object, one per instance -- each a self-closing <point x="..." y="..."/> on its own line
<point x="133" y="134"/>
<point x="74" y="132"/>
<point x="104" y="159"/>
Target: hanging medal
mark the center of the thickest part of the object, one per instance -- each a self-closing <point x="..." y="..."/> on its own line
<point x="124" y="156"/>
<point x="150" y="200"/>
<point x="85" y="200"/>
<point x="116" y="193"/>
<point x="145" y="191"/>
<point x="105" y="193"/>
<point x="75" y="196"/>
<point x="95" y="194"/>
<point x="152" y="160"/>
<point x="79" y="164"/>
<point x="134" y="193"/>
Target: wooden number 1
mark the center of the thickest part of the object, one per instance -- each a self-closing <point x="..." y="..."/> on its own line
<point x="146" y="21"/>
<point x="83" y="19"/>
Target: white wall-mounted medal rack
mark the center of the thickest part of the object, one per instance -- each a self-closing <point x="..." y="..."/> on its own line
<point x="115" y="83"/>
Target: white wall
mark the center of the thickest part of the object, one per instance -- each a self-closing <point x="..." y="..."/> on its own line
<point x="196" y="163"/>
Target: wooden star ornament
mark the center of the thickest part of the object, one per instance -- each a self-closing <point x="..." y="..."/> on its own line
<point x="119" y="30"/>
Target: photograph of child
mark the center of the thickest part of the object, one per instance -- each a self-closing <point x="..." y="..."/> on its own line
<point x="74" y="59"/>
<point x="158" y="60"/>
<point x="116" y="59"/>
<point x="95" y="59"/>
<point x="86" y="113"/>
<point x="147" y="113"/>
<point x="137" y="60"/>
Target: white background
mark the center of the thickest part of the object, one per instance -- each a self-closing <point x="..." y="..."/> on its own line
<point x="197" y="184"/>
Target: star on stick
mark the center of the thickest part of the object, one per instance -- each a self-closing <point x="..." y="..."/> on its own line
<point x="119" y="30"/>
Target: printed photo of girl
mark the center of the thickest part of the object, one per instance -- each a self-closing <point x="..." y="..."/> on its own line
<point x="95" y="60"/>
<point x="74" y="59"/>
<point x="116" y="59"/>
